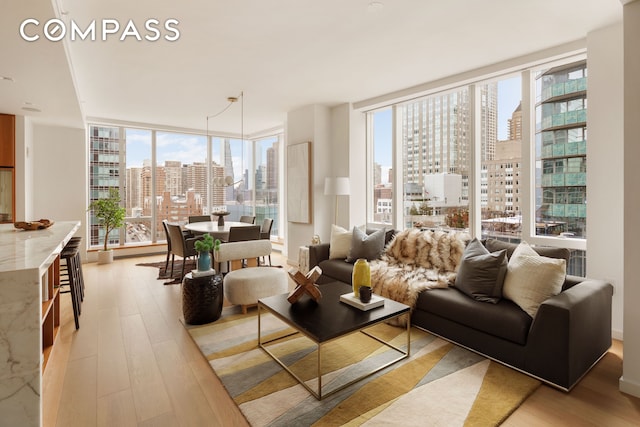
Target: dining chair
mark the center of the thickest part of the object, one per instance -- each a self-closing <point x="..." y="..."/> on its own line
<point x="265" y="230"/>
<point x="199" y="218"/>
<point x="265" y="233"/>
<point x="242" y="234"/>
<point x="180" y="245"/>
<point x="166" y="233"/>
<point x="196" y="218"/>
<point x="248" y="219"/>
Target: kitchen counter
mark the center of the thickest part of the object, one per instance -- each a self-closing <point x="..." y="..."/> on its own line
<point x="25" y="261"/>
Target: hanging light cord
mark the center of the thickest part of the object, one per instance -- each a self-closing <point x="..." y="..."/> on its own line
<point x="231" y="100"/>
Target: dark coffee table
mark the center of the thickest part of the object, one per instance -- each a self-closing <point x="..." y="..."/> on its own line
<point x="326" y="321"/>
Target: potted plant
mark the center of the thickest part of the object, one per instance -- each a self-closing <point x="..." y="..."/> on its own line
<point x="111" y="216"/>
<point x="204" y="247"/>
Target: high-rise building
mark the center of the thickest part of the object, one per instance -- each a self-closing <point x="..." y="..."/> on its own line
<point x="218" y="194"/>
<point x="515" y="124"/>
<point x="561" y="138"/>
<point x="173" y="177"/>
<point x="272" y="166"/>
<point x="133" y="187"/>
<point x="228" y="169"/>
<point x="377" y="174"/>
<point x="488" y="120"/>
<point x="104" y="174"/>
<point x="195" y="179"/>
<point x="500" y="176"/>
<point x="502" y="184"/>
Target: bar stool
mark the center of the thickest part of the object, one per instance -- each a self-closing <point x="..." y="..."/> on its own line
<point x="73" y="278"/>
<point x="75" y="243"/>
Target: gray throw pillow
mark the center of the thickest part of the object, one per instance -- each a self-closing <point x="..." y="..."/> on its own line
<point x="366" y="246"/>
<point x="481" y="273"/>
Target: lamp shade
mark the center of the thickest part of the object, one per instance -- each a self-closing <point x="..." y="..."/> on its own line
<point x="343" y="188"/>
<point x="337" y="186"/>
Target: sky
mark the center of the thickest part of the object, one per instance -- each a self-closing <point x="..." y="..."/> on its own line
<point x="186" y="149"/>
<point x="192" y="148"/>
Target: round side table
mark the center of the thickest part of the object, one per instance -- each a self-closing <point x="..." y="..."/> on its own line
<point x="202" y="298"/>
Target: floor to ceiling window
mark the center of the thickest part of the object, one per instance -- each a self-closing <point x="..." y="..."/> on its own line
<point x="267" y="181"/>
<point x="137" y="167"/>
<point x="462" y="154"/>
<point x="238" y="191"/>
<point x="380" y="127"/>
<point x="165" y="176"/>
<point x="501" y="159"/>
<point x="105" y="159"/>
<point x="179" y="177"/>
<point x="436" y="164"/>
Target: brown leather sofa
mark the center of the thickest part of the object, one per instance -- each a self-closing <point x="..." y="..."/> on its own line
<point x="569" y="334"/>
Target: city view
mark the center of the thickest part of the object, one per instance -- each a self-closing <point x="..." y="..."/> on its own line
<point x="436" y="142"/>
<point x="435" y="133"/>
<point x="178" y="186"/>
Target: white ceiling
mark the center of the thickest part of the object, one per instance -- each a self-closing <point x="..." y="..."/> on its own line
<point x="283" y="54"/>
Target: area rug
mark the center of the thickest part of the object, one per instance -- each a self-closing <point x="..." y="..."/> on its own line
<point x="177" y="268"/>
<point x="439" y="384"/>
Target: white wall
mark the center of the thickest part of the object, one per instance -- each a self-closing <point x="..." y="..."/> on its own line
<point x="338" y="166"/>
<point x="630" y="381"/>
<point x="349" y="158"/>
<point x="60" y="175"/>
<point x="339" y="149"/>
<point x="358" y="164"/>
<point x="310" y="123"/>
<point x="605" y="188"/>
<point x="24" y="169"/>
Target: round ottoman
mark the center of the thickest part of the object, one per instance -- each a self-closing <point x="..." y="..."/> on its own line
<point x="201" y="298"/>
<point x="245" y="286"/>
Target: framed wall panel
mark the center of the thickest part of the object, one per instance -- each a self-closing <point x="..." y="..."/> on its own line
<point x="299" y="183"/>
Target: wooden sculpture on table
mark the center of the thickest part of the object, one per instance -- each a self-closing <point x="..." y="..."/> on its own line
<point x="306" y="284"/>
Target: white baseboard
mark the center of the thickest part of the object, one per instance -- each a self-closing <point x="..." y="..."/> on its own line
<point x="616" y="335"/>
<point x="629" y="387"/>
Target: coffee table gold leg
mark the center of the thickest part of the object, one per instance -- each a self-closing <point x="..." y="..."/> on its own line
<point x="259" y="330"/>
<point x="408" y="336"/>
<point x="319" y="372"/>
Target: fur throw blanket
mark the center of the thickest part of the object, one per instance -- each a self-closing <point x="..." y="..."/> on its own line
<point x="416" y="260"/>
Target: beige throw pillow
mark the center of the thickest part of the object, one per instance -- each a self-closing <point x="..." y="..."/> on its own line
<point x="340" y="243"/>
<point x="531" y="279"/>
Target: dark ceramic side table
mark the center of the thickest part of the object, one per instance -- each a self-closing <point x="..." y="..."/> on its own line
<point x="202" y="298"/>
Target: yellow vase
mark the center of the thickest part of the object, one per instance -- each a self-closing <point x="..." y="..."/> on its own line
<point x="361" y="276"/>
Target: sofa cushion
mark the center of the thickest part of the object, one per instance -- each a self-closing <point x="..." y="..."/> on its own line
<point x="388" y="234"/>
<point x="494" y="245"/>
<point x="340" y="242"/>
<point x="367" y="246"/>
<point x="481" y="273"/>
<point x="336" y="269"/>
<point x="503" y="319"/>
<point x="531" y="278"/>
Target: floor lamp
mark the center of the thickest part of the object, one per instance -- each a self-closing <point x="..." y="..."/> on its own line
<point x="338" y="186"/>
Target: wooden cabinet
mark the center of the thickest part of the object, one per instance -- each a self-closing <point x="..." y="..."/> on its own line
<point x="7" y="164"/>
<point x="7" y="140"/>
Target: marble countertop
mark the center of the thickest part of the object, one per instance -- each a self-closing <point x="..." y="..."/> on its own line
<point x="36" y="249"/>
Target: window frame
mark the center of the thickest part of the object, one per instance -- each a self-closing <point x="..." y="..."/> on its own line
<point x="252" y="142"/>
<point x="527" y="179"/>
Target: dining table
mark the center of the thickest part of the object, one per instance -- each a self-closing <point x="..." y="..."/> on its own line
<point x="216" y="231"/>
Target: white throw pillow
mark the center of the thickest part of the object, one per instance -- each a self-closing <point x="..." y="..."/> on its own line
<point x="340" y="243"/>
<point x="531" y="279"/>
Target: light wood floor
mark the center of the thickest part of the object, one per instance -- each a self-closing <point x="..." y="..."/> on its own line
<point x="132" y="363"/>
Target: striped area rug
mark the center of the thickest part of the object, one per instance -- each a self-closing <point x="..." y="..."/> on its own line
<point x="440" y="384"/>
